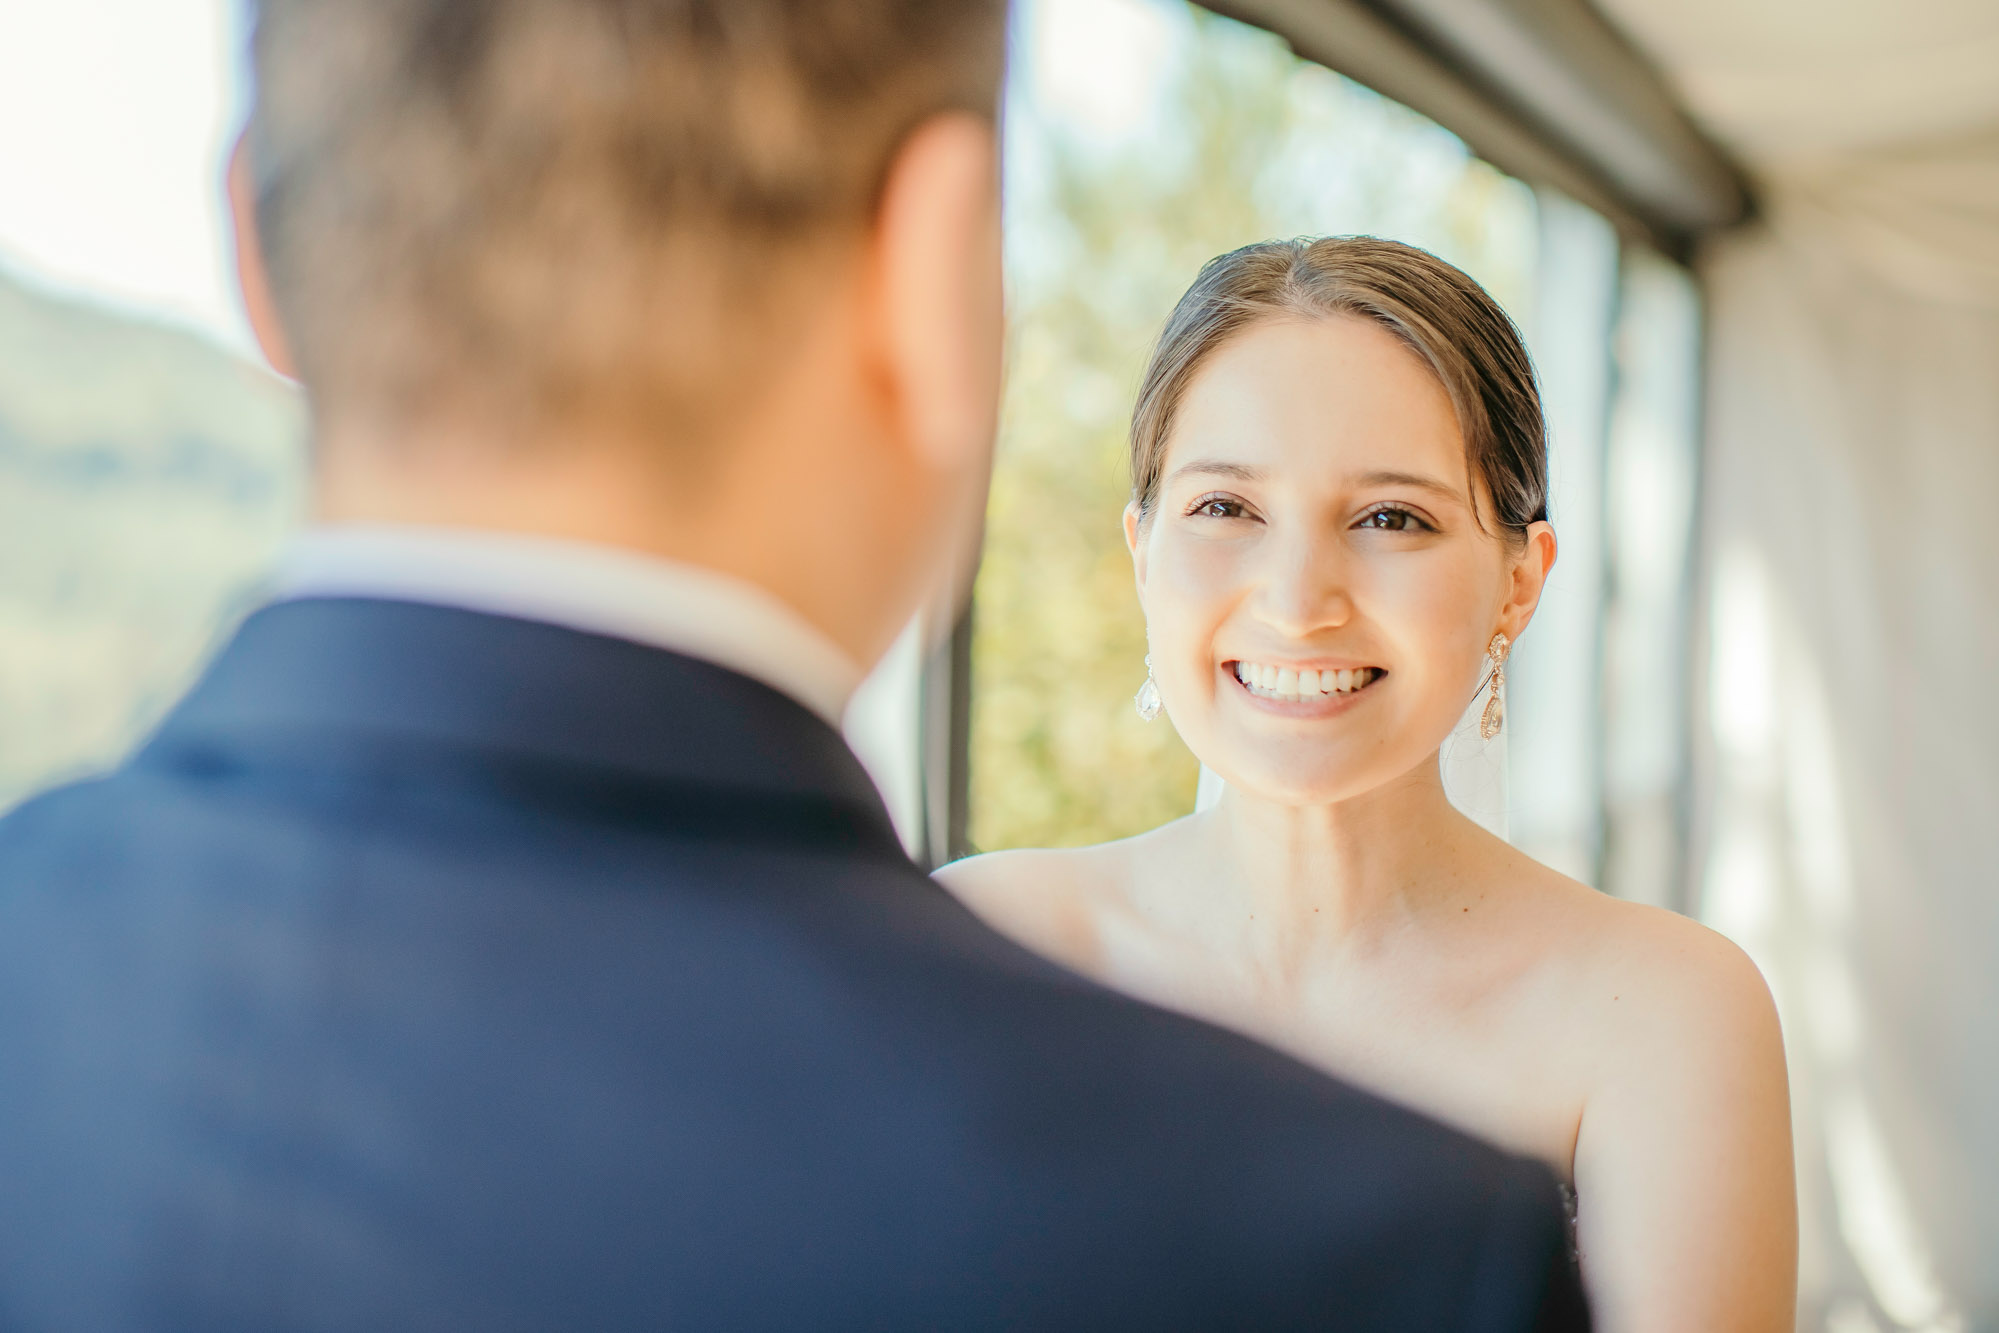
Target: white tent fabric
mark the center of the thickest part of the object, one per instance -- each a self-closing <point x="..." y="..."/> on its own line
<point x="1853" y="466"/>
<point x="1852" y="586"/>
<point x="1790" y="81"/>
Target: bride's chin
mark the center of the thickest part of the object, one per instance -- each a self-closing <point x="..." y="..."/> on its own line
<point x="1307" y="786"/>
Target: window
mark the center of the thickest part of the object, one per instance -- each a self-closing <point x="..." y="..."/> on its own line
<point x="1144" y="137"/>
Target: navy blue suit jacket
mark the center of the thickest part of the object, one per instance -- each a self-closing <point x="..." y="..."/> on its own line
<point x="438" y="970"/>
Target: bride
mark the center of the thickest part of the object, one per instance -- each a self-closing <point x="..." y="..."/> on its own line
<point x="1338" y="528"/>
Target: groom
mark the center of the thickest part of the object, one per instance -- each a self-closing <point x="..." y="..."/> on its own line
<point x="501" y="936"/>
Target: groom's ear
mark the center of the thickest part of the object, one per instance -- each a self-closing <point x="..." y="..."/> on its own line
<point x="935" y="257"/>
<point x="251" y="278"/>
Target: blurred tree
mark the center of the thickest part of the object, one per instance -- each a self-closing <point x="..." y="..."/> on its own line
<point x="1247" y="142"/>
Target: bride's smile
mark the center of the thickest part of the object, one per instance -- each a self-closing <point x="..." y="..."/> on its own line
<point x="1315" y="689"/>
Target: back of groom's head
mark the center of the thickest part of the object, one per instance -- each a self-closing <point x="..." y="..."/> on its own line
<point x="713" y="279"/>
<point x="552" y="202"/>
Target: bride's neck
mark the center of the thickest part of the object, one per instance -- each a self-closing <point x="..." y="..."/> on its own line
<point x="1304" y="876"/>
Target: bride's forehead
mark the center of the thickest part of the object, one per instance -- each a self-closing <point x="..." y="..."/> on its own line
<point x="1307" y="433"/>
<point x="1316" y="390"/>
<point x="1319" y="351"/>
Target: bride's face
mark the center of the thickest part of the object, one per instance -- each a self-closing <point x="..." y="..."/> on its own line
<point x="1318" y="589"/>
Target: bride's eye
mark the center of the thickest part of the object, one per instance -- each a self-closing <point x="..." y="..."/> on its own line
<point x="1393" y="518"/>
<point x="1217" y="506"/>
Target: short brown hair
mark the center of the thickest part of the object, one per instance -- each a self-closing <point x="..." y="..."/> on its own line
<point x="538" y="199"/>
<point x="1437" y="311"/>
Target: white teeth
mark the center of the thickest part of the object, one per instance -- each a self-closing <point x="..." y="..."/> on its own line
<point x="1292" y="684"/>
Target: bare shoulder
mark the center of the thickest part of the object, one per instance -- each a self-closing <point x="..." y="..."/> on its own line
<point x="1654" y="1004"/>
<point x="1047" y="898"/>
<point x="1683" y="1153"/>
<point x="1629" y="961"/>
<point x="1024" y="870"/>
<point x="1669" y="974"/>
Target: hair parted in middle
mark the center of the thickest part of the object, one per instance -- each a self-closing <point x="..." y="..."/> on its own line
<point x="1437" y="311"/>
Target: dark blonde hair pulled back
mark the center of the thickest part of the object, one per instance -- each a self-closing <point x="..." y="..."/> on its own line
<point x="1439" y="313"/>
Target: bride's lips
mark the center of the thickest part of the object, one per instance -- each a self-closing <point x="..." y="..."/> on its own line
<point x="1310" y="691"/>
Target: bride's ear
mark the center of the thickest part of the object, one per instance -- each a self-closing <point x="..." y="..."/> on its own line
<point x="1529" y="577"/>
<point x="1131" y="543"/>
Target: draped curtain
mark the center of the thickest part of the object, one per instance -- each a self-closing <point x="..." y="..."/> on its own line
<point x="1848" y="823"/>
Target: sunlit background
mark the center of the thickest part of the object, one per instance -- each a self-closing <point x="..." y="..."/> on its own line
<point x="1757" y="690"/>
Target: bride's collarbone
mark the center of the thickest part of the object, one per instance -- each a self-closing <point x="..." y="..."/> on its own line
<point x="1476" y="1026"/>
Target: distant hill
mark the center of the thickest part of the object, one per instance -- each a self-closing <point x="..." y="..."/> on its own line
<point x="146" y="477"/>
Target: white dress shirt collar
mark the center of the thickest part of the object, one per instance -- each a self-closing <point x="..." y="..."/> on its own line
<point x="579" y="585"/>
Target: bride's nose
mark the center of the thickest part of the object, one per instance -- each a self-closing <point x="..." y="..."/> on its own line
<point x="1304" y="584"/>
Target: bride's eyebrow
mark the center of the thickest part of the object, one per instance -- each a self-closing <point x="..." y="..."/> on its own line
<point x="1205" y="467"/>
<point x="1412" y="479"/>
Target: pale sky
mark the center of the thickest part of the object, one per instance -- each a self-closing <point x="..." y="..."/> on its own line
<point x="116" y="115"/>
<point x="114" y="120"/>
<point x="1098" y="66"/>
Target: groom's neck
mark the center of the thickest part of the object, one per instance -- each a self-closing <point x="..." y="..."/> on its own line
<point x="795" y="495"/>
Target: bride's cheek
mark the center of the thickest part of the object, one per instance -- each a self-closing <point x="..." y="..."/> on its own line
<point x="1186" y="588"/>
<point x="1435" y="612"/>
<point x="1204" y="571"/>
<point x="1432" y="595"/>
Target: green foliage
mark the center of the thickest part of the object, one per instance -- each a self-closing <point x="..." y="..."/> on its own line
<point x="1248" y="143"/>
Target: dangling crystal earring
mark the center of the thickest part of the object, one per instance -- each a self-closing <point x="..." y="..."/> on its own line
<point x="1147" y="698"/>
<point x="1494" y="716"/>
